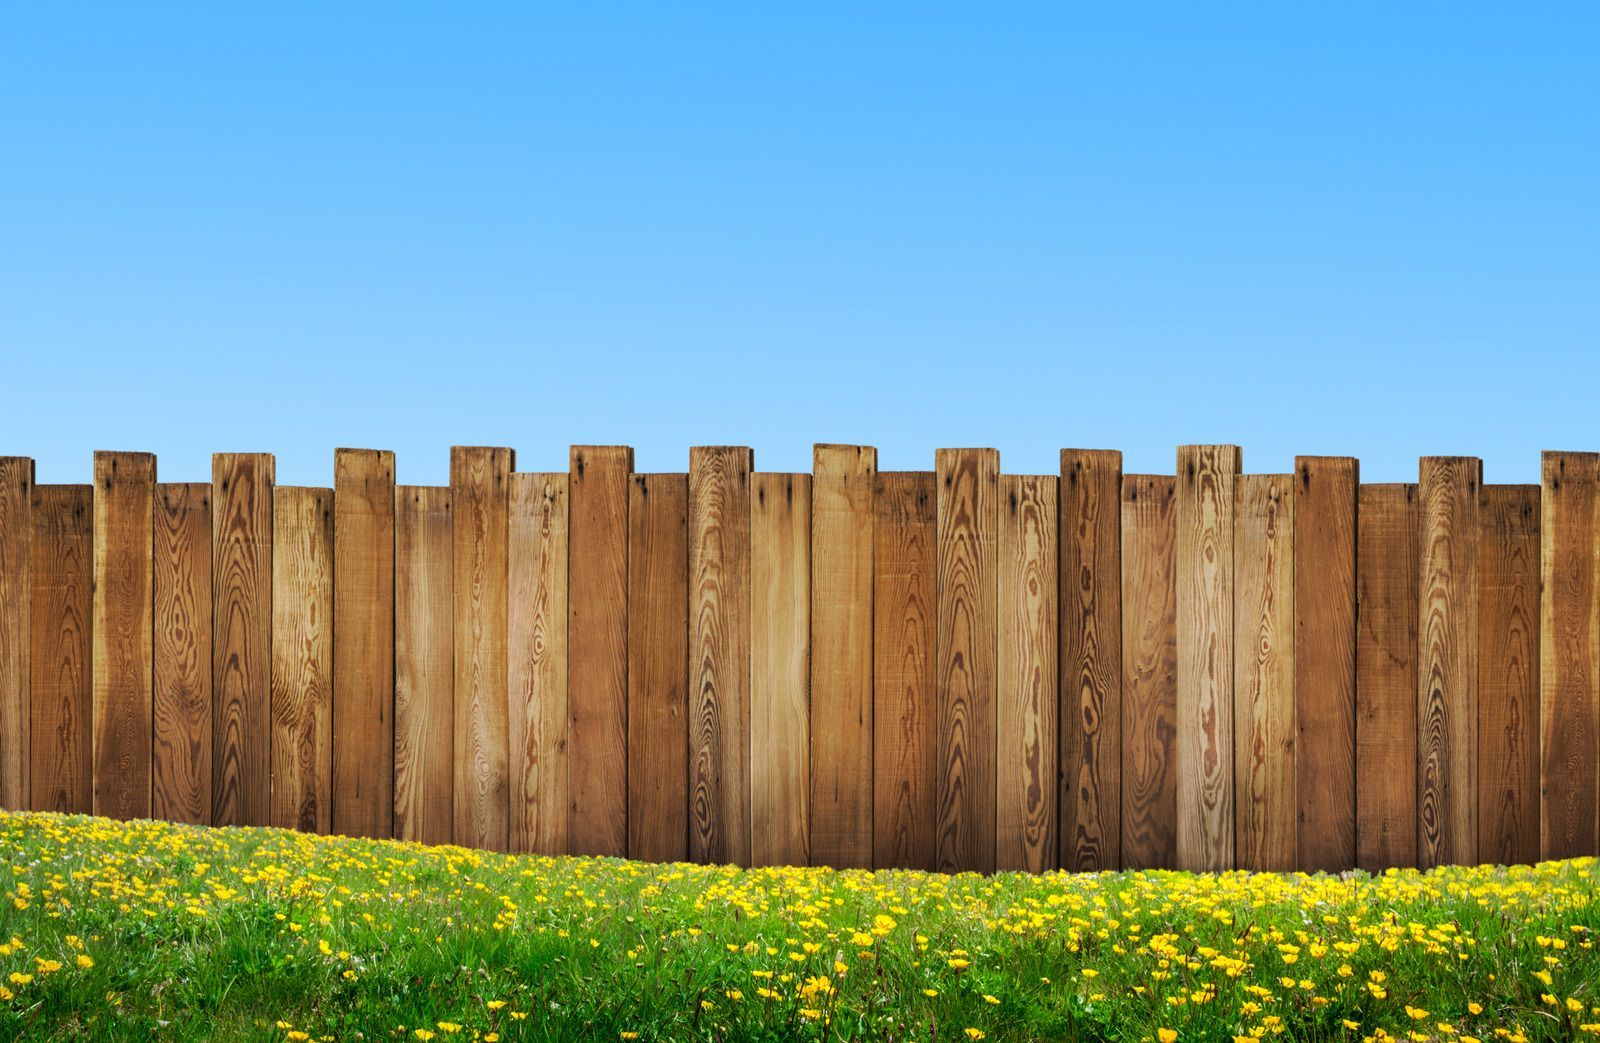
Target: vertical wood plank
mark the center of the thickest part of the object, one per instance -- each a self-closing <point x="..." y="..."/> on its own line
<point x="302" y="658"/>
<point x="182" y="770"/>
<point x="1388" y="525"/>
<point x="480" y="502"/>
<point x="1447" y="660"/>
<point x="1508" y="676"/>
<point x="780" y="669"/>
<point x="424" y="667"/>
<point x="905" y="621"/>
<point x="1264" y="678"/>
<point x="1150" y="672"/>
<point x="363" y="643"/>
<point x="841" y="654"/>
<point x="241" y="628"/>
<point x="538" y="656"/>
<point x="719" y="649"/>
<point x="1205" y="656"/>
<point x="658" y="667"/>
<point x="1026" y="764"/>
<point x="1325" y="495"/>
<point x="62" y="652"/>
<point x="124" y="580"/>
<point x="1090" y="578"/>
<point x="968" y="596"/>
<point x="16" y="626"/>
<point x="597" y="640"/>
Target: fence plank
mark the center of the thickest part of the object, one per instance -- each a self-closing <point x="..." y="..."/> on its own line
<point x="181" y="772"/>
<point x="1325" y="493"/>
<point x="904" y="620"/>
<point x="363" y="642"/>
<point x="538" y="656"/>
<point x="1447" y="676"/>
<point x="62" y="653"/>
<point x="241" y="621"/>
<point x="841" y="654"/>
<point x="968" y="596"/>
<point x="1265" y="571"/>
<point x="480" y="502"/>
<point x="719" y="649"/>
<point x="780" y="669"/>
<point x="597" y="642"/>
<point x="1569" y="656"/>
<point x="124" y="580"/>
<point x="424" y="669"/>
<point x="1090" y="591"/>
<point x="1149" y="671"/>
<point x="1386" y="677"/>
<point x="302" y="658"/>
<point x="658" y="667"/>
<point x="16" y="627"/>
<point x="1508" y="676"/>
<point x="1205" y="656"/>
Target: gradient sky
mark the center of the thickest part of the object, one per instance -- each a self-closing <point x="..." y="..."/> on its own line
<point x="1368" y="229"/>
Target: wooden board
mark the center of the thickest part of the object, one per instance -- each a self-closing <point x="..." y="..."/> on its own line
<point x="480" y="502"/>
<point x="904" y="621"/>
<point x="363" y="643"/>
<point x="181" y="772"/>
<point x="241" y="621"/>
<point x="1386" y="677"/>
<point x="1569" y="656"/>
<point x="658" y="667"/>
<point x="302" y="658"/>
<point x="1205" y="656"/>
<point x="16" y="604"/>
<point x="537" y="647"/>
<point x="424" y="668"/>
<point x="63" y="578"/>
<point x="597" y="645"/>
<point x="1026" y="764"/>
<point x="1265" y="571"/>
<point x="844" y="477"/>
<point x="1325" y="659"/>
<point x="1149" y="672"/>
<point x="719" y="654"/>
<point x="124" y="581"/>
<point x="1508" y="676"/>
<point x="1090" y="591"/>
<point x="968" y="597"/>
<point x="1447" y="661"/>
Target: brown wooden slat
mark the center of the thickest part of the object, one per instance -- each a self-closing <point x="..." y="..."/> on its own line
<point x="124" y="580"/>
<point x="424" y="669"/>
<point x="1149" y="671"/>
<point x="62" y="653"/>
<point x="241" y="628"/>
<point x="538" y="655"/>
<point x="16" y="628"/>
<point x="1508" y="676"/>
<point x="658" y="667"/>
<point x="182" y="770"/>
<point x="302" y="658"/>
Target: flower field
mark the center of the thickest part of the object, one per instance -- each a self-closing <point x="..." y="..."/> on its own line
<point x="153" y="931"/>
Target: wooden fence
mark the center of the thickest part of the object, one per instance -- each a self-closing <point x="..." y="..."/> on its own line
<point x="955" y="669"/>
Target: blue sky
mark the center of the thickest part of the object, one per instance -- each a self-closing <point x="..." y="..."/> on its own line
<point x="1368" y="229"/>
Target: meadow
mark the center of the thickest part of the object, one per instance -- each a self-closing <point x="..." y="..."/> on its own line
<point x="147" y="930"/>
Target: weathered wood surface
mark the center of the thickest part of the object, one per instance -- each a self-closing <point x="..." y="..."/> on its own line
<point x="124" y="582"/>
<point x="537" y="650"/>
<point x="424" y="665"/>
<point x="1150" y="672"/>
<point x="1508" y="676"/>
<point x="302" y="658"/>
<point x="241" y="632"/>
<point x="61" y="657"/>
<point x="658" y="667"/>
<point x="16" y="627"/>
<point x="182" y="771"/>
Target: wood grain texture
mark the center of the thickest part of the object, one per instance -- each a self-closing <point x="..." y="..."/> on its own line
<point x="480" y="508"/>
<point x="1569" y="656"/>
<point x="658" y="667"/>
<point x="241" y="629"/>
<point x="1026" y="699"/>
<point x="904" y="622"/>
<point x="968" y="609"/>
<point x="1508" y="676"/>
<point x="597" y="646"/>
<point x="719" y="654"/>
<point x="844" y="477"/>
<point x="16" y="628"/>
<point x="424" y="665"/>
<point x="302" y="658"/>
<point x="1090" y="582"/>
<point x="1205" y="656"/>
<point x="1325" y="496"/>
<point x="538" y="654"/>
<point x="62" y="653"/>
<point x="124" y="582"/>
<point x="1447" y="661"/>
<point x="780" y="670"/>
<point x="182" y="770"/>
<point x="363" y="643"/>
<point x="1386" y="677"/>
<point x="1149" y="672"/>
<point x="1264" y="735"/>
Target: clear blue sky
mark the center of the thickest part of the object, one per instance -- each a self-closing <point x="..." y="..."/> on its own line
<point x="1347" y="228"/>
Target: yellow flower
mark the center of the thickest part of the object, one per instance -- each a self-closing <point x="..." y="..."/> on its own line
<point x="85" y="961"/>
<point x="1167" y="1035"/>
<point x="975" y="1033"/>
<point x="958" y="963"/>
<point x="628" y="1035"/>
<point x="989" y="999"/>
<point x="423" y="1034"/>
<point x="930" y="993"/>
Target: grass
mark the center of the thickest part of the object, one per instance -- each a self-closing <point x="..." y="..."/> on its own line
<point x="153" y="931"/>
